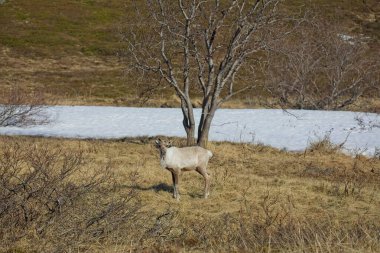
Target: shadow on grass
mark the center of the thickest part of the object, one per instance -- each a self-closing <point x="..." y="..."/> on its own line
<point x="196" y="195"/>
<point x="157" y="188"/>
<point x="162" y="187"/>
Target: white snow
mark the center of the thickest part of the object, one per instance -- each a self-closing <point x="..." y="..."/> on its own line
<point x="292" y="130"/>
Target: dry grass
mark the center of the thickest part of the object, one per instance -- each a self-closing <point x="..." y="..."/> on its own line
<point x="68" y="50"/>
<point x="324" y="145"/>
<point x="92" y="80"/>
<point x="262" y="200"/>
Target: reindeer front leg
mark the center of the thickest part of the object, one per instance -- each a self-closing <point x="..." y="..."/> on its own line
<point x="175" y="177"/>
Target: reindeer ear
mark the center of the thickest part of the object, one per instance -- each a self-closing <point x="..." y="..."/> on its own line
<point x="158" y="141"/>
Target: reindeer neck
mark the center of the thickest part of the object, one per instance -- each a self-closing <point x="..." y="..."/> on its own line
<point x="163" y="152"/>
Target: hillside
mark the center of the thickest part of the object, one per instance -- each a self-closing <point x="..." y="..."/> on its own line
<point x="68" y="49"/>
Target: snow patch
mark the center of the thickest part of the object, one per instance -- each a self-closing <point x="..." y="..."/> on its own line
<point x="292" y="130"/>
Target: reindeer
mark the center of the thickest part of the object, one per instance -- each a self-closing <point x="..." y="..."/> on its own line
<point x="177" y="160"/>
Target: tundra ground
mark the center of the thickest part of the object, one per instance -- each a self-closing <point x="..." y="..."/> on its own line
<point x="262" y="199"/>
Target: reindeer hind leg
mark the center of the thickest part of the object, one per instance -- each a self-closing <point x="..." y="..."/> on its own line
<point x="206" y="177"/>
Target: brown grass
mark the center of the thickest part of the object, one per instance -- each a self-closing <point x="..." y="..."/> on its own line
<point x="68" y="50"/>
<point x="92" y="80"/>
<point x="262" y="199"/>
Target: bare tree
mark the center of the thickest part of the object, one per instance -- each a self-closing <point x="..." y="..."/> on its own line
<point x="320" y="67"/>
<point x="200" y="47"/>
<point x="21" y="109"/>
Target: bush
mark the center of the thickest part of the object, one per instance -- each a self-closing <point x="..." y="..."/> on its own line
<point x="324" y="145"/>
<point x="57" y="198"/>
<point x="21" y="109"/>
<point x="318" y="67"/>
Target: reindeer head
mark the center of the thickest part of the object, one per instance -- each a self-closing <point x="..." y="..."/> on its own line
<point x="160" y="144"/>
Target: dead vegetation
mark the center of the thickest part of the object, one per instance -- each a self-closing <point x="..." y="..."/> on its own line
<point x="18" y="108"/>
<point x="107" y="196"/>
<point x="325" y="145"/>
<point x="320" y="67"/>
<point x="54" y="198"/>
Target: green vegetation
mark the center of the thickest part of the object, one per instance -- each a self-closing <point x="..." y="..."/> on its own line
<point x="68" y="49"/>
<point x="56" y="28"/>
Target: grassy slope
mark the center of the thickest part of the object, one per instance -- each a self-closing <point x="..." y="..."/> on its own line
<point x="357" y="16"/>
<point x="60" y="28"/>
<point x="250" y="184"/>
<point x="67" y="48"/>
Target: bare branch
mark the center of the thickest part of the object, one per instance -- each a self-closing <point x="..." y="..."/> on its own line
<point x="198" y="47"/>
<point x="23" y="110"/>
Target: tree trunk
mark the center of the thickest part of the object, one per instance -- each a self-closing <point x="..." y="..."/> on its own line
<point x="190" y="137"/>
<point x="203" y="138"/>
<point x="188" y="121"/>
<point x="204" y="129"/>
